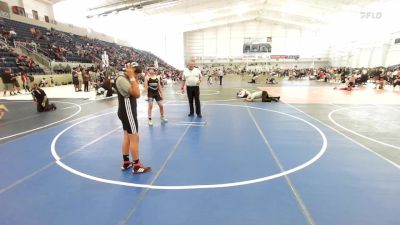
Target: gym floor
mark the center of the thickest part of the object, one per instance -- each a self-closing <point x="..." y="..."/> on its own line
<point x="318" y="157"/>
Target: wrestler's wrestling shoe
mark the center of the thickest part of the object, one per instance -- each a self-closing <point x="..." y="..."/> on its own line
<point x="139" y="168"/>
<point x="126" y="165"/>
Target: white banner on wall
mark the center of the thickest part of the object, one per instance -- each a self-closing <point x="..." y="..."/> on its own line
<point x="257" y="46"/>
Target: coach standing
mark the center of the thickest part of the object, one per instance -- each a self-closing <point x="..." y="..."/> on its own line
<point x="192" y="79"/>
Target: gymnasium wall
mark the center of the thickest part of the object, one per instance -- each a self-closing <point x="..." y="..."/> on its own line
<point x="43" y="7"/>
<point x="360" y="41"/>
<point x="393" y="53"/>
<point x="367" y="54"/>
<point x="227" y="41"/>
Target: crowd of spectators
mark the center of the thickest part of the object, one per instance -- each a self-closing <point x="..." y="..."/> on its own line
<point x="66" y="47"/>
<point x="17" y="63"/>
<point x="379" y="76"/>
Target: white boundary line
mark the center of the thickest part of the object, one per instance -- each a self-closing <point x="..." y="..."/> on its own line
<point x="296" y="194"/>
<point x="354" y="132"/>
<point x="188" y="124"/>
<point x="50" y="124"/>
<point x="79" y="104"/>
<point x="36" y="115"/>
<point x="191" y="122"/>
<point x="347" y="137"/>
<point x="214" y="92"/>
<point x="187" y="187"/>
<point x="222" y="100"/>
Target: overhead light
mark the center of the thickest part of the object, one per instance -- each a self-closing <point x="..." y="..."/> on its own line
<point x="240" y="9"/>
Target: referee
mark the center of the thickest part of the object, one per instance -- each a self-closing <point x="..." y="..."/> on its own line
<point x="128" y="91"/>
<point x="192" y="78"/>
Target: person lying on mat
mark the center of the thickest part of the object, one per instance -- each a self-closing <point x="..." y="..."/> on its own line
<point x="40" y="97"/>
<point x="243" y="93"/>
<point x="250" y="97"/>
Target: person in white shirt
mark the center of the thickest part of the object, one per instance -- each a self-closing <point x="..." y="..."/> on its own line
<point x="191" y="79"/>
<point x="104" y="60"/>
<point x="221" y="75"/>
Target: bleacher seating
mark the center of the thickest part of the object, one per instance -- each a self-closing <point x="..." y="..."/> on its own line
<point x="8" y="59"/>
<point x="62" y="46"/>
<point x="17" y="63"/>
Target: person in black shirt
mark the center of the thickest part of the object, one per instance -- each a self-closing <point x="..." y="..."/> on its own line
<point x="8" y="82"/>
<point x="128" y="91"/>
<point x="107" y="85"/>
<point x="153" y="88"/>
<point x="40" y="97"/>
<point x="16" y="86"/>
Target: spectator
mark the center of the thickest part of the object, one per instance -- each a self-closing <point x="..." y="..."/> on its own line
<point x="7" y="81"/>
<point x="75" y="79"/>
<point x="85" y="77"/>
<point x="43" y="82"/>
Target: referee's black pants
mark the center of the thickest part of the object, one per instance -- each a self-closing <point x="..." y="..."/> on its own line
<point x="193" y="92"/>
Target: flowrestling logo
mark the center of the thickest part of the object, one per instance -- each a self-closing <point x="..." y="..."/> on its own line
<point x="371" y="15"/>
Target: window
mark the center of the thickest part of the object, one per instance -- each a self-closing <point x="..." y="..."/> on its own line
<point x="35" y="14"/>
